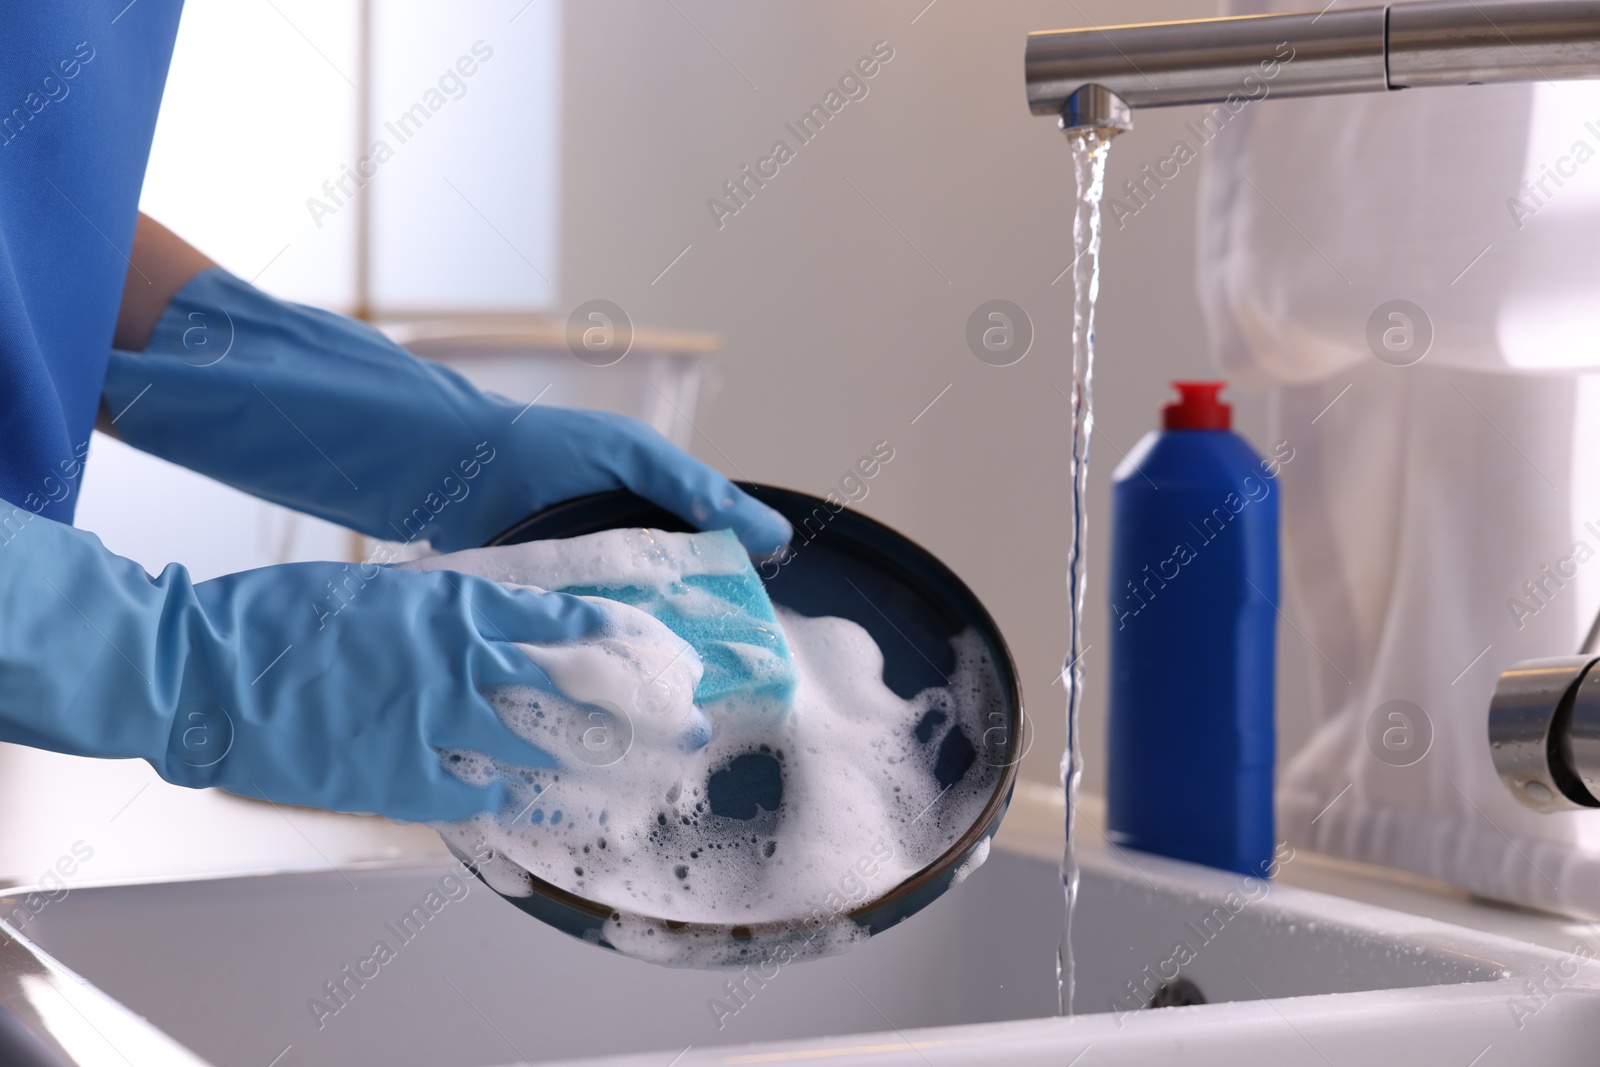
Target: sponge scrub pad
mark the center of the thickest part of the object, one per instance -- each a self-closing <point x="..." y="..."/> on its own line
<point x="701" y="586"/>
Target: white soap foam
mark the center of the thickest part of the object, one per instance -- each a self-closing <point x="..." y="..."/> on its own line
<point x="638" y="669"/>
<point x="649" y="559"/>
<point x="973" y="862"/>
<point x="626" y="818"/>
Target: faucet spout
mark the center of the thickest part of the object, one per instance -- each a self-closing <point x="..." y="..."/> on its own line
<point x="1370" y="49"/>
<point x="1094" y="107"/>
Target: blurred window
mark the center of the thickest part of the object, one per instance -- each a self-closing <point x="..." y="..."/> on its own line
<point x="262" y="161"/>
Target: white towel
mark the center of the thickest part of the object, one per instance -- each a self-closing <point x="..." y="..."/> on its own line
<point x="1422" y="498"/>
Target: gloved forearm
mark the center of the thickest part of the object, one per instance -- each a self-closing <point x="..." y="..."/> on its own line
<point x="325" y="415"/>
<point x="322" y="684"/>
<point x="310" y="410"/>
<point x="78" y="666"/>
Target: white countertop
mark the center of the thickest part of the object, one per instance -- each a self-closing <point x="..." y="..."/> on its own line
<point x="1036" y="826"/>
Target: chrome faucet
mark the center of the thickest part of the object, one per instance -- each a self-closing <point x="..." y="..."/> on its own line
<point x="1544" y="729"/>
<point x="1094" y="78"/>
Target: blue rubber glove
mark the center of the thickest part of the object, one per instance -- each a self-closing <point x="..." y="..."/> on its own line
<point x="327" y="416"/>
<point x="320" y="684"/>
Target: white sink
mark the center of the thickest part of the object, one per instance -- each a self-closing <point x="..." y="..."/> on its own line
<point x="228" y="967"/>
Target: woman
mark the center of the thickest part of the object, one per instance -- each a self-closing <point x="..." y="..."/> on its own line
<point x="322" y="684"/>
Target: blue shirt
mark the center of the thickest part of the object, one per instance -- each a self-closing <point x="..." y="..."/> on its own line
<point x="80" y="84"/>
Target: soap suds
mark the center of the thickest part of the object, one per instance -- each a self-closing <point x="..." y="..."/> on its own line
<point x="757" y="809"/>
<point x="648" y="559"/>
<point x="973" y="862"/>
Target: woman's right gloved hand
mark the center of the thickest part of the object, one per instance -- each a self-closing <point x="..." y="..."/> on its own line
<point x="320" y="684"/>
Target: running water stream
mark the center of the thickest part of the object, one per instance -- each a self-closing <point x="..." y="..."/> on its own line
<point x="1090" y="148"/>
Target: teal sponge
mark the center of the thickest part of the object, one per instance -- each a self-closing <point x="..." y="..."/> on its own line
<point x="701" y="586"/>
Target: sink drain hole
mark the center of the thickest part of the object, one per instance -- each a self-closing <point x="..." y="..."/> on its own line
<point x="1178" y="993"/>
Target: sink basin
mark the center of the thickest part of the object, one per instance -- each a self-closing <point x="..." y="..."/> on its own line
<point x="250" y="970"/>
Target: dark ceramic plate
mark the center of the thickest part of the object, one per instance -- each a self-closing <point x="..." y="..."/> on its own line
<point x="841" y="564"/>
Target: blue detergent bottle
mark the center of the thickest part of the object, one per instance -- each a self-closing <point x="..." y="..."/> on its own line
<point x="1193" y="591"/>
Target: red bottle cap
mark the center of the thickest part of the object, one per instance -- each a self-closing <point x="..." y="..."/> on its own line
<point x="1199" y="409"/>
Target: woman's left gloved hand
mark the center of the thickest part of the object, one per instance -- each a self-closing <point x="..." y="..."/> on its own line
<point x="325" y="415"/>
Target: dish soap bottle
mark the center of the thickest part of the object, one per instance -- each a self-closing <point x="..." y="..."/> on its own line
<point x="1194" y="593"/>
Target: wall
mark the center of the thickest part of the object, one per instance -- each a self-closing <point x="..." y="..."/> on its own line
<point x="843" y="288"/>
